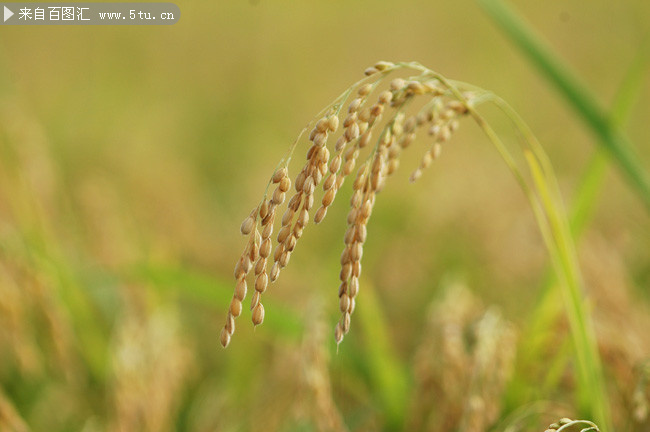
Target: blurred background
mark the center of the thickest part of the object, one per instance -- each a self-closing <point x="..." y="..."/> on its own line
<point x="130" y="155"/>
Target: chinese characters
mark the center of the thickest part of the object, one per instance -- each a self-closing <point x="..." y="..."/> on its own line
<point x="55" y="13"/>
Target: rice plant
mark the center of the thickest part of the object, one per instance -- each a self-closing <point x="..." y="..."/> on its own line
<point x="424" y="101"/>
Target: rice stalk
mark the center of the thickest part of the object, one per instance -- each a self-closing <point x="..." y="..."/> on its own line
<point x="444" y="102"/>
<point x="586" y="196"/>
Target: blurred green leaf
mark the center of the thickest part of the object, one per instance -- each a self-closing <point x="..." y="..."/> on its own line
<point x="384" y="367"/>
<point x="569" y="86"/>
<point x="213" y="292"/>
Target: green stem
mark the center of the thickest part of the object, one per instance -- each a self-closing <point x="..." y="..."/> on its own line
<point x="551" y="218"/>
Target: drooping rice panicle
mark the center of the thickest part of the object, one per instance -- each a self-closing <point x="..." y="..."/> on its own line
<point x="360" y="111"/>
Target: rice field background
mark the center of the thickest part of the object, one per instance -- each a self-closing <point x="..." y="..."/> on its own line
<point x="130" y="155"/>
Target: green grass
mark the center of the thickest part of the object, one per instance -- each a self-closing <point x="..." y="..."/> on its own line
<point x="204" y="289"/>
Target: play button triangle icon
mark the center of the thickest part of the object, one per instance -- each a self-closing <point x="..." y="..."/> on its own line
<point x="8" y="13"/>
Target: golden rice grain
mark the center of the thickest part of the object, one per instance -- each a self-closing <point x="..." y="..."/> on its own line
<point x="225" y="337"/>
<point x="258" y="314"/>
<point x="370" y="71"/>
<point x="247" y="225"/>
